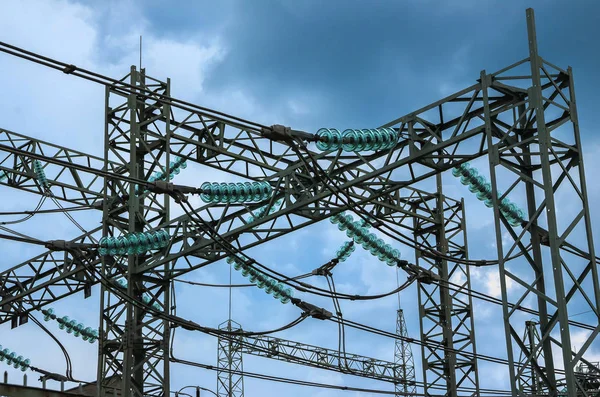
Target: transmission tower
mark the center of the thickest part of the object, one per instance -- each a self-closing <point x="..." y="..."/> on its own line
<point x="403" y="358"/>
<point x="230" y="379"/>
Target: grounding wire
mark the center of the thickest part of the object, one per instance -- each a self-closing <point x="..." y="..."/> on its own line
<point x="127" y="88"/>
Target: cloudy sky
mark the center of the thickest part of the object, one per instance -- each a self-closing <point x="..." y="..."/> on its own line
<point x="307" y="64"/>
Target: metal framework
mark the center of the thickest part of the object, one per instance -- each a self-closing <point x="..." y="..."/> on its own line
<point x="403" y="358"/>
<point x="523" y="118"/>
<point x="446" y="317"/>
<point x="230" y="367"/>
<point x="133" y="342"/>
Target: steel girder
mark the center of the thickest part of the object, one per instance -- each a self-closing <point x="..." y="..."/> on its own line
<point x="133" y="343"/>
<point x="329" y="359"/>
<point x="545" y="162"/>
<point x="68" y="183"/>
<point x="446" y="317"/>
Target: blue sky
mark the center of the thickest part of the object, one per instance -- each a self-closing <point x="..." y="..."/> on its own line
<point x="309" y="64"/>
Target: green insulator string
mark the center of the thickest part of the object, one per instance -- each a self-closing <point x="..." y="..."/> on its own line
<point x="71" y="326"/>
<point x="262" y="211"/>
<point x="240" y="192"/>
<point x="478" y="185"/>
<point x="40" y="173"/>
<point x="344" y="252"/>
<point x="145" y="297"/>
<point x="175" y="168"/>
<point x="3" y="176"/>
<point x="134" y="243"/>
<point x="352" y="140"/>
<point x="370" y="242"/>
<point x="271" y="286"/>
<point x="12" y="359"/>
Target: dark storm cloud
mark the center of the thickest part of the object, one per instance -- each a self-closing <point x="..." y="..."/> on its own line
<point x="369" y="62"/>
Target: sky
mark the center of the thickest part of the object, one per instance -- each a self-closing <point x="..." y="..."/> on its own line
<point x="309" y="64"/>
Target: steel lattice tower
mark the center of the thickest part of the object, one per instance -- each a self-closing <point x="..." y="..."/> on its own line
<point x="134" y="343"/>
<point x="230" y="379"/>
<point x="403" y="357"/>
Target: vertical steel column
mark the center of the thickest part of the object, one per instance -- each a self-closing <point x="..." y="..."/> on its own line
<point x="230" y="381"/>
<point x="445" y="319"/>
<point x="403" y="357"/>
<point x="544" y="146"/>
<point x="134" y="342"/>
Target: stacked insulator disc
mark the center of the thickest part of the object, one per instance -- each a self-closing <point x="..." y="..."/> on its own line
<point x="134" y="243"/>
<point x="40" y="173"/>
<point x="352" y="140"/>
<point x="262" y="211"/>
<point x="145" y="298"/>
<point x="483" y="191"/>
<point x="241" y="192"/>
<point x="3" y="176"/>
<point x="370" y="242"/>
<point x="271" y="286"/>
<point x="345" y="251"/>
<point x="175" y="168"/>
<point x="14" y="360"/>
<point x="71" y="326"/>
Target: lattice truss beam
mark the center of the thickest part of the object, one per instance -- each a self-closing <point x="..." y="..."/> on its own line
<point x="514" y="118"/>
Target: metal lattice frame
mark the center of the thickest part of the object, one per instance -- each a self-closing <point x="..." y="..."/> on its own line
<point x="133" y="342"/>
<point x="230" y="366"/>
<point x="446" y="317"/>
<point x="544" y="160"/>
<point x="403" y="359"/>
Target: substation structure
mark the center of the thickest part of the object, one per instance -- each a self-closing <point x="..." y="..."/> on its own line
<point x="523" y="119"/>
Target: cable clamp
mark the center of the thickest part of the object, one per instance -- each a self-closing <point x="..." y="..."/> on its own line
<point x="280" y="132"/>
<point x="62" y="245"/>
<point x="312" y="310"/>
<point x="69" y="69"/>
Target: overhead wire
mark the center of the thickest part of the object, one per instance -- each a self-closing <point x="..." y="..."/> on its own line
<point x="28" y="216"/>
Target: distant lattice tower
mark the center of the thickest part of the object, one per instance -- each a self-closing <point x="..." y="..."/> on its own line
<point x="404" y="358"/>
<point x="230" y="381"/>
